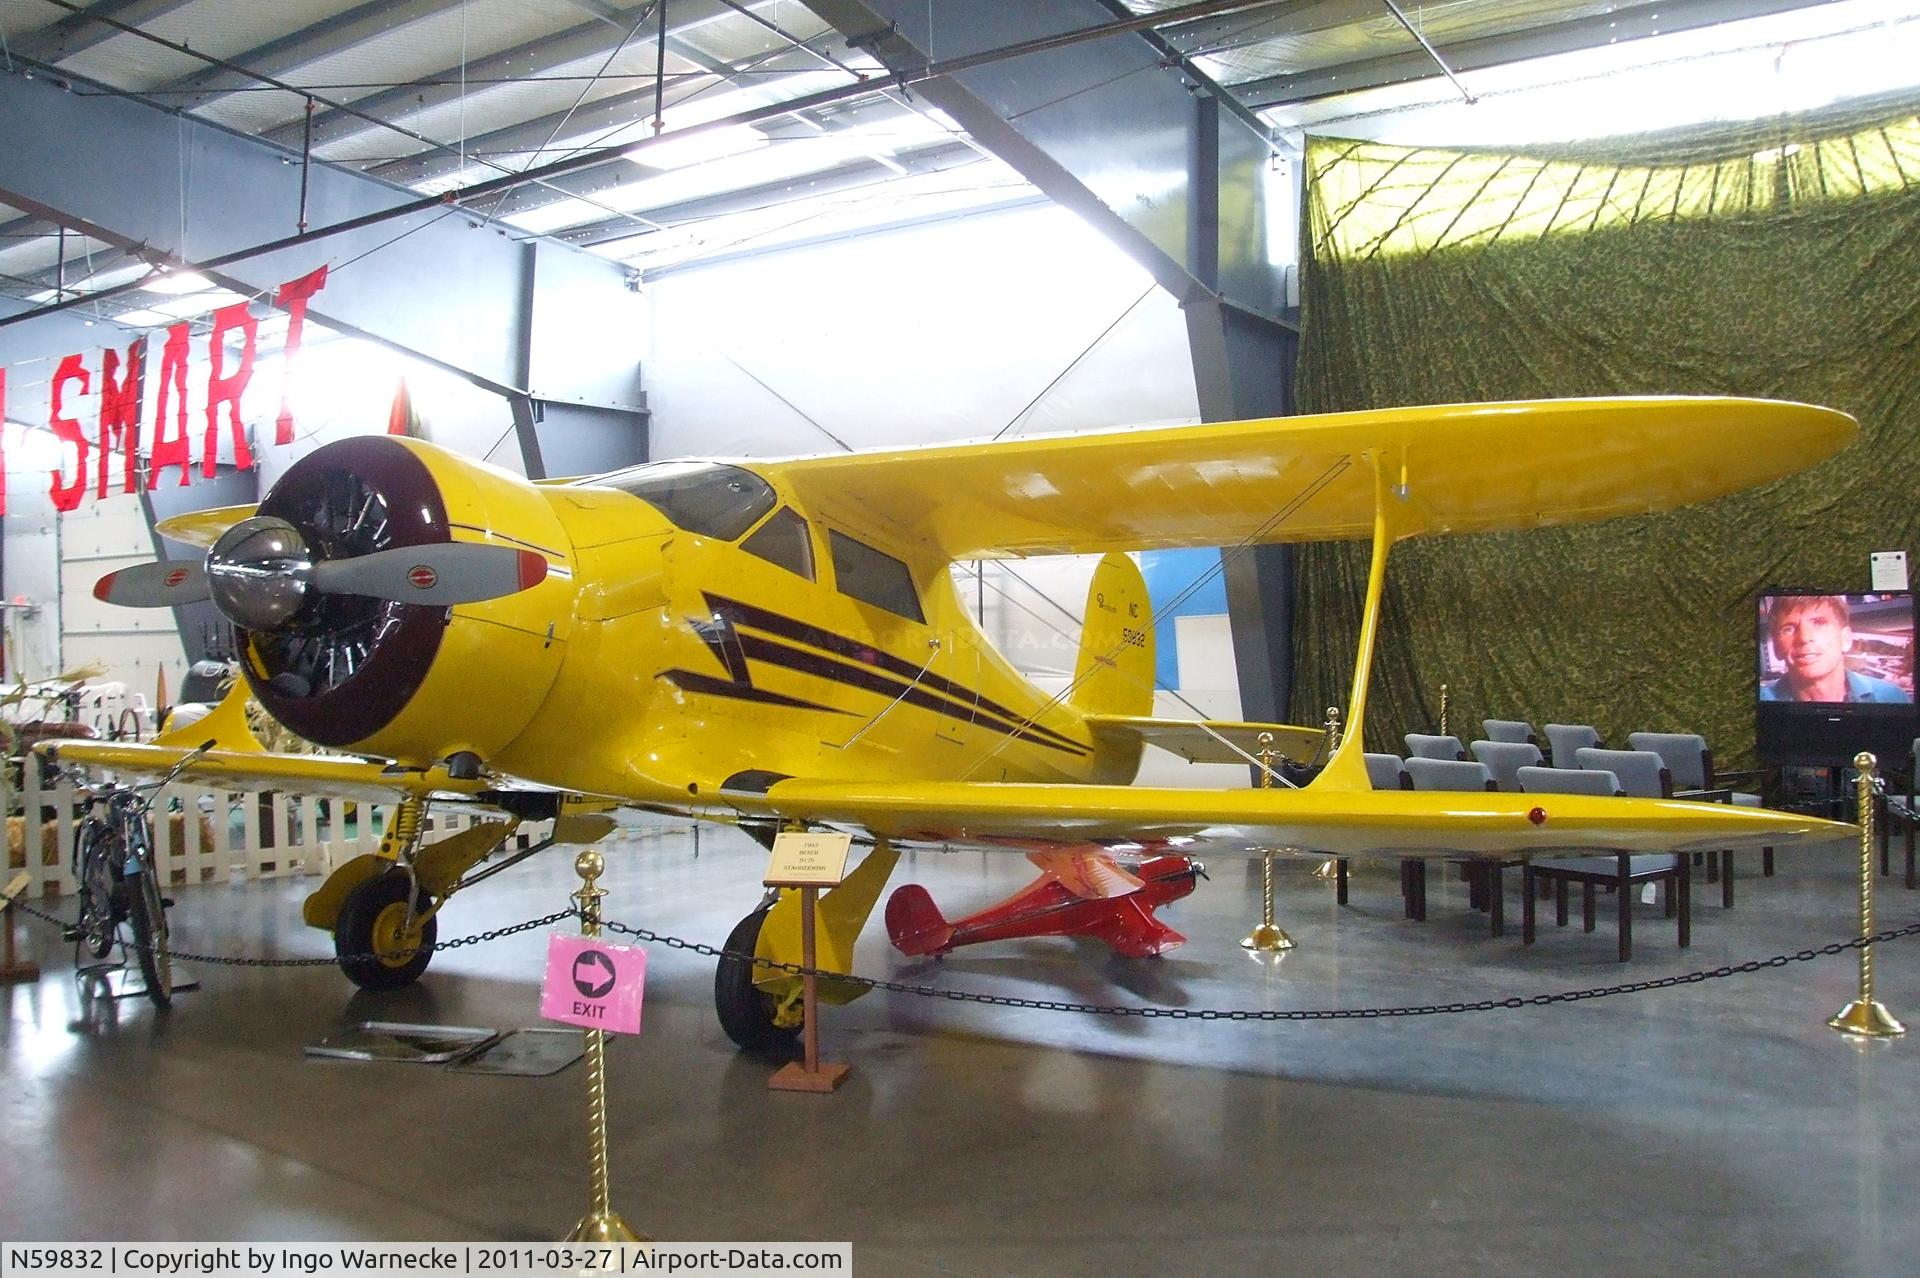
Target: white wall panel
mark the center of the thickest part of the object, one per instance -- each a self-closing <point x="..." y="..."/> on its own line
<point x="129" y="643"/>
<point x="1023" y="321"/>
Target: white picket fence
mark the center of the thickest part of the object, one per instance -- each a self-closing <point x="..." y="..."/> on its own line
<point x="208" y="835"/>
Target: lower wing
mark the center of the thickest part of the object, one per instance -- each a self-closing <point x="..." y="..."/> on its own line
<point x="1383" y="823"/>
<point x="335" y="776"/>
<point x="225" y="751"/>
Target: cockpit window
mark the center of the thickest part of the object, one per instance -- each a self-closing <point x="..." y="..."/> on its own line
<point x="707" y="498"/>
<point x="873" y="577"/>
<point x="783" y="540"/>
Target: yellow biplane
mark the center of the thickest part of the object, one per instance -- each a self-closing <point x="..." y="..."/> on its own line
<point x="780" y="644"/>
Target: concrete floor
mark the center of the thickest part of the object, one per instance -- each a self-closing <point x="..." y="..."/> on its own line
<point x="1714" y="1128"/>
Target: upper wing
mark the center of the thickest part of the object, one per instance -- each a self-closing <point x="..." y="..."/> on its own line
<point x="1386" y="823"/>
<point x="1213" y="740"/>
<point x="203" y="527"/>
<point x="1462" y="468"/>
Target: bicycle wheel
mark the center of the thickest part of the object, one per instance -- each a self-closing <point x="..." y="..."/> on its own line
<point x="94" y="930"/>
<point x="148" y="914"/>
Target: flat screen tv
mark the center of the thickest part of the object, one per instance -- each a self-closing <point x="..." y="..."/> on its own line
<point x="1834" y="676"/>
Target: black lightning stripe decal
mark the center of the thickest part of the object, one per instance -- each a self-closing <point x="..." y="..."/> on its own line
<point x="694" y="681"/>
<point x="864" y="670"/>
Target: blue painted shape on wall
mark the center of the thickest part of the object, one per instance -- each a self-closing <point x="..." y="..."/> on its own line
<point x="1170" y="574"/>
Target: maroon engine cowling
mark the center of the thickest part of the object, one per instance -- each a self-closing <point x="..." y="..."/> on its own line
<point x="346" y="665"/>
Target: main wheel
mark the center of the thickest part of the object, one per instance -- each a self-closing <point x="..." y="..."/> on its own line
<point x="376" y="949"/>
<point x="746" y="1013"/>
<point x="148" y="914"/>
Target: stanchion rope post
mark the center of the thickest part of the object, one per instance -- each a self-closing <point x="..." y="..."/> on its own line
<point x="601" y="1223"/>
<point x="1865" y="1017"/>
<point x="1266" y="938"/>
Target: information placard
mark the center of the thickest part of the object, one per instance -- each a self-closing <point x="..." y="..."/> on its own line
<point x="808" y="860"/>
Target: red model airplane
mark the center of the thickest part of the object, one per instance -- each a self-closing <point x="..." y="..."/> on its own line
<point x="1082" y="892"/>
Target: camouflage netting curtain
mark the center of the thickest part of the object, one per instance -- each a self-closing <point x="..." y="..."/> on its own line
<point x="1779" y="261"/>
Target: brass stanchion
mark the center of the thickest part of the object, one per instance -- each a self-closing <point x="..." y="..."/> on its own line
<point x="1331" y="869"/>
<point x="1267" y="938"/>
<point x="1864" y="1016"/>
<point x="601" y="1223"/>
<point x="1443" y="711"/>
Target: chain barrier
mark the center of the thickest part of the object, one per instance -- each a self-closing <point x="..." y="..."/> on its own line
<point x="228" y="960"/>
<point x="1148" y="1012"/>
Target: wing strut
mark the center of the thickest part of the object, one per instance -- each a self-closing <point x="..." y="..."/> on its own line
<point x="1347" y="770"/>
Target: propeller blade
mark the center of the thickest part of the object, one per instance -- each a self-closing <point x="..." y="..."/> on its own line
<point x="165" y="584"/>
<point x="451" y="573"/>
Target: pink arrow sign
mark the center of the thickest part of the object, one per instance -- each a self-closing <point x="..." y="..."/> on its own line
<point x="593" y="984"/>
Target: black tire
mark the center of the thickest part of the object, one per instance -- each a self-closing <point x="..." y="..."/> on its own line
<point x="356" y="933"/>
<point x="746" y="1014"/>
<point x="148" y="914"/>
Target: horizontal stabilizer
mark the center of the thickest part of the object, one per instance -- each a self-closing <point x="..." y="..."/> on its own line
<point x="1210" y="740"/>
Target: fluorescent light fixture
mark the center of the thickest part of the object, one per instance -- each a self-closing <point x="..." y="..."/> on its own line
<point x="174" y="282"/>
<point x="198" y="303"/>
<point x="547" y="218"/>
<point x="871" y="206"/>
<point x="702" y="107"/>
<point x="697" y="148"/>
<point x="143" y="319"/>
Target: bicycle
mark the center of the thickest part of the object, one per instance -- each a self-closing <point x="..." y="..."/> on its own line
<point x="117" y="876"/>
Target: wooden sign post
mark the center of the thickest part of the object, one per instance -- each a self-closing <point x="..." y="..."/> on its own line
<point x="808" y="862"/>
<point x="14" y="968"/>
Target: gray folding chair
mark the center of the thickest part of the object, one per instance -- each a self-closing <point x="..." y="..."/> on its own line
<point x="1691" y="763"/>
<point x="1622" y="872"/>
<point x="1641" y="773"/>
<point x="1423" y="745"/>
<point x="1514" y="730"/>
<point x="1505" y="759"/>
<point x="1387" y="772"/>
<point x="1568" y="781"/>
<point x="1483" y="877"/>
<point x="1565" y="738"/>
<point x="1448" y="774"/>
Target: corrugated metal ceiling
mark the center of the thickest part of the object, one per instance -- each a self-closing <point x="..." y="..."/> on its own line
<point x="436" y="93"/>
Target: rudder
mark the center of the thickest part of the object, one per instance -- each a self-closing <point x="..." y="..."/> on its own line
<point x="1115" y="670"/>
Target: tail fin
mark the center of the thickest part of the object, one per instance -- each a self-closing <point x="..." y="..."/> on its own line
<point x="914" y="923"/>
<point x="1114" y="674"/>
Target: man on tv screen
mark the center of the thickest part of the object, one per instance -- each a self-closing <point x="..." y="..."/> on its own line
<point x="1812" y="634"/>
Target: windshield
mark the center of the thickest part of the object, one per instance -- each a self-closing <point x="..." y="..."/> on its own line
<point x="707" y="498"/>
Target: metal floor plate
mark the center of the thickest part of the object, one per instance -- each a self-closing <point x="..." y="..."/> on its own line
<point x="525" y="1053"/>
<point x="408" y="1044"/>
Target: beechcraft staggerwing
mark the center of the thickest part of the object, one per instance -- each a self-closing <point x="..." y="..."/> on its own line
<point x="779" y="644"/>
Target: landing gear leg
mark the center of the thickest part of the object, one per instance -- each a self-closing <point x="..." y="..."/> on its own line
<point x="759" y="1007"/>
